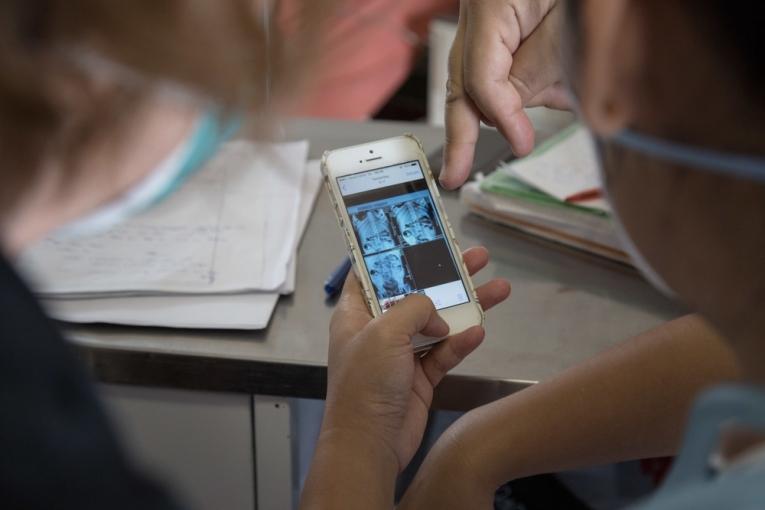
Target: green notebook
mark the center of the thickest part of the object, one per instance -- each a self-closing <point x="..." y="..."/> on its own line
<point x="500" y="183"/>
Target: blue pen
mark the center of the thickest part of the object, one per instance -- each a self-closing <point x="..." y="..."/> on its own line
<point x="334" y="282"/>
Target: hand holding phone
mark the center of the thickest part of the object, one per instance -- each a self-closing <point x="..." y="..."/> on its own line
<point x="375" y="382"/>
<point x="399" y="239"/>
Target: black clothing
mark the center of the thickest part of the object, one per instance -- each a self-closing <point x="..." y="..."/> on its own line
<point x="57" y="449"/>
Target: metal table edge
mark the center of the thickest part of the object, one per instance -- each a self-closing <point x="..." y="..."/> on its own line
<point x="256" y="377"/>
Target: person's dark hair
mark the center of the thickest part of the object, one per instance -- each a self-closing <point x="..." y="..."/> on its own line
<point x="738" y="29"/>
<point x="702" y="73"/>
<point x="50" y="105"/>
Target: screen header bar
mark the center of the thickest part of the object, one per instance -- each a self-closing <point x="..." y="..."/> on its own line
<point x="379" y="178"/>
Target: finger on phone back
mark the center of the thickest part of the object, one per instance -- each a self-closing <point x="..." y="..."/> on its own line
<point x="492" y="293"/>
<point x="475" y="259"/>
<point x="449" y="353"/>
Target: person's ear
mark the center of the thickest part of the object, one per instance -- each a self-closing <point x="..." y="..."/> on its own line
<point x="609" y="72"/>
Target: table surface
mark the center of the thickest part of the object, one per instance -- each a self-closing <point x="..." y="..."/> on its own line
<point x="565" y="307"/>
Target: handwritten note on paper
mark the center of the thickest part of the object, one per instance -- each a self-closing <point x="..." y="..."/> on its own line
<point x="565" y="167"/>
<point x="249" y="310"/>
<point x="231" y="228"/>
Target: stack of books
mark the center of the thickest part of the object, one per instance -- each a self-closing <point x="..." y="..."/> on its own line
<point x="553" y="194"/>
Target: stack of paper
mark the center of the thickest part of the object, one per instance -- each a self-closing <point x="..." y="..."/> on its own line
<point x="216" y="254"/>
<point x="531" y="194"/>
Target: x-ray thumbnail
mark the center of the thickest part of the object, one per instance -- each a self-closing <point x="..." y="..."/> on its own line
<point x="373" y="230"/>
<point x="389" y="274"/>
<point x="416" y="221"/>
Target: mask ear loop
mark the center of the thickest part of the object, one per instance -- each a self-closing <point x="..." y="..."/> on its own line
<point x="746" y="167"/>
<point x="712" y="161"/>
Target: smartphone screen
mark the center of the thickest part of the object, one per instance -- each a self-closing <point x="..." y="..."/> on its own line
<point x="401" y="235"/>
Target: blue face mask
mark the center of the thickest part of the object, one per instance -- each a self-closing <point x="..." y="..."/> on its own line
<point x="693" y="481"/>
<point x="203" y="142"/>
<point x="707" y="160"/>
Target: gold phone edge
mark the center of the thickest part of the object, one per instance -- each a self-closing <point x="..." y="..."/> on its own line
<point x="352" y="253"/>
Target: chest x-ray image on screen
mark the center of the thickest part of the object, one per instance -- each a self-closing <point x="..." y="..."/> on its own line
<point x="416" y="221"/>
<point x="400" y="235"/>
<point x="374" y="231"/>
<point x="389" y="273"/>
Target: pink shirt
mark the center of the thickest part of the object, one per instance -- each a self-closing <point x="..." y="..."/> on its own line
<point x="367" y="55"/>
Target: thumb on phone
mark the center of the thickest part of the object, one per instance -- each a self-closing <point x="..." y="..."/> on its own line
<point x="410" y="316"/>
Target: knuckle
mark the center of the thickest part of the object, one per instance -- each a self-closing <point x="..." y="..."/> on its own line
<point x="385" y="327"/>
<point x="454" y="91"/>
<point x="453" y="356"/>
<point x="377" y="328"/>
<point x="475" y="86"/>
<point x="522" y="86"/>
<point x="439" y="366"/>
<point x="471" y="85"/>
<point x="446" y="359"/>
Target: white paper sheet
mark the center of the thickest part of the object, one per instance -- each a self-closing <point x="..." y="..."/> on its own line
<point x="309" y="192"/>
<point x="252" y="310"/>
<point x="566" y="168"/>
<point x="231" y="228"/>
<point x="228" y="311"/>
<point x="588" y="232"/>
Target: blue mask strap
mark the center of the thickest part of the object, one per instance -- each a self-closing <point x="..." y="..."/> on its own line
<point x="733" y="165"/>
<point x="209" y="135"/>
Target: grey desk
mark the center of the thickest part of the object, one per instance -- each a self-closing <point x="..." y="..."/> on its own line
<point x="565" y="307"/>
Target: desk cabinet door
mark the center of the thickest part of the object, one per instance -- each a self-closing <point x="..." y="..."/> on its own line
<point x="199" y="444"/>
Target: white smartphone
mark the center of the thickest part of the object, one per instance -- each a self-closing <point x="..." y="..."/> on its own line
<point x="399" y="239"/>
